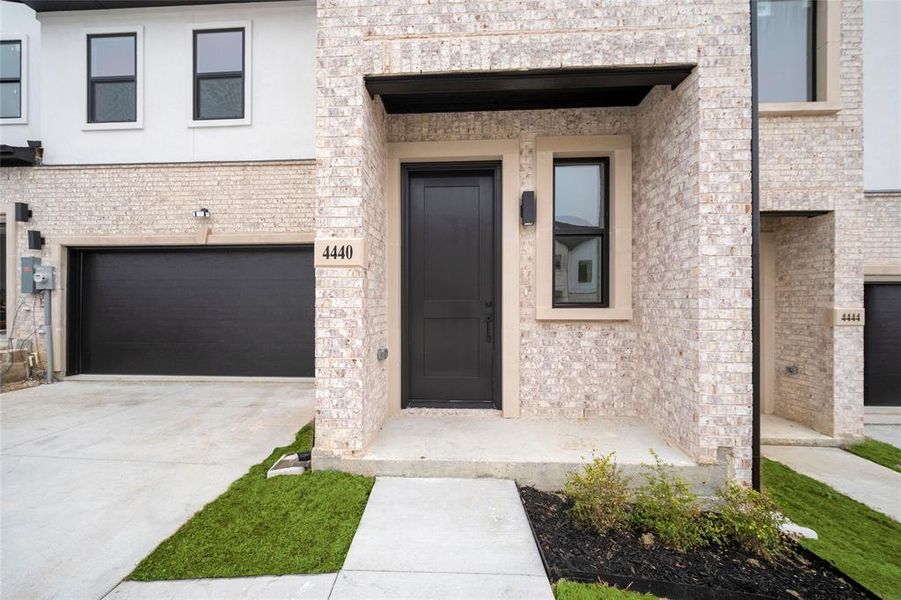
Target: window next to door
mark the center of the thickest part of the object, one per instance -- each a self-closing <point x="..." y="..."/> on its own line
<point x="114" y="78"/>
<point x="583" y="249"/>
<point x="220" y="81"/>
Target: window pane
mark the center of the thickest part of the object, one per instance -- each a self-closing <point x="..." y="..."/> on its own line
<point x="577" y="195"/>
<point x="114" y="102"/>
<point x="11" y="60"/>
<point x="220" y="51"/>
<point x="113" y="56"/>
<point x="221" y="98"/>
<point x="577" y="270"/>
<point x="10" y="100"/>
<point x="785" y="50"/>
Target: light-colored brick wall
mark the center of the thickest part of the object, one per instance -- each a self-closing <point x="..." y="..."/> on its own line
<point x="815" y="162"/>
<point x="882" y="234"/>
<point x="358" y="37"/>
<point x="116" y="200"/>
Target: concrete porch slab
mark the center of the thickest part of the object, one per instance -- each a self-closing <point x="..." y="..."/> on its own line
<point x="536" y="452"/>
<point x="882" y="415"/>
<point x="776" y="431"/>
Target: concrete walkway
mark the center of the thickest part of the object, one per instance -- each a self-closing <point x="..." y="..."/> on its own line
<point x="96" y="474"/>
<point x="443" y="539"/>
<point x="890" y="434"/>
<point x="858" y="478"/>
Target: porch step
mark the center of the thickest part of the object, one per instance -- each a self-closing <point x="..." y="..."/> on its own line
<point x="535" y="452"/>
<point x="776" y="431"/>
<point x="882" y="415"/>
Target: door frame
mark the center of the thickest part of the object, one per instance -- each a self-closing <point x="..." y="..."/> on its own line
<point x="407" y="170"/>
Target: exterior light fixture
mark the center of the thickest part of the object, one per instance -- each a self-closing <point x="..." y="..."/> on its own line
<point x="527" y="208"/>
<point x="203" y="213"/>
<point x="35" y="240"/>
<point x="23" y="213"/>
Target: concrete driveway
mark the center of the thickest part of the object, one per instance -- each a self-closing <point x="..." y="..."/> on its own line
<point x="96" y="473"/>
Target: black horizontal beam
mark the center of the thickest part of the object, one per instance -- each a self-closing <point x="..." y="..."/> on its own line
<point x="532" y="89"/>
<point x="60" y="5"/>
<point x="794" y="213"/>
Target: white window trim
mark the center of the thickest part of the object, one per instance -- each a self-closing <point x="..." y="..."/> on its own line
<point x="828" y="67"/>
<point x="248" y="70"/>
<point x="619" y="149"/>
<point x="25" y="74"/>
<point x="138" y="123"/>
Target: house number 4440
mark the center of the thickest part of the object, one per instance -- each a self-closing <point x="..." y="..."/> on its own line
<point x="335" y="252"/>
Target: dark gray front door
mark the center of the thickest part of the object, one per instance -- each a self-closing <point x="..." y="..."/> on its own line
<point x="450" y="310"/>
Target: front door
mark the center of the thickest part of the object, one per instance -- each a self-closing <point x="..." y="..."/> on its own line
<point x="451" y="316"/>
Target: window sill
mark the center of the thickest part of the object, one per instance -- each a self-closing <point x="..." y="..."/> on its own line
<point x="791" y="109"/>
<point x="14" y="121"/>
<point x="220" y="123"/>
<point x="112" y="126"/>
<point x="546" y="313"/>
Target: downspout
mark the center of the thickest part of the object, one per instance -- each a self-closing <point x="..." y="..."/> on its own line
<point x="755" y="260"/>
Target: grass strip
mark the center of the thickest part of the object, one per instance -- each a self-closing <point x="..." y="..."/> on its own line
<point x="861" y="542"/>
<point x="571" y="590"/>
<point x="878" y="452"/>
<point x="287" y="524"/>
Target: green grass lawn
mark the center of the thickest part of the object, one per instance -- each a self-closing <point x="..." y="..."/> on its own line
<point x="287" y="524"/>
<point x="861" y="542"/>
<point x="878" y="452"/>
<point x="569" y="590"/>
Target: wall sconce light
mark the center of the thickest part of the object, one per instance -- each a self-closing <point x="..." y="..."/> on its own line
<point x="23" y="213"/>
<point x="203" y="213"/>
<point x="35" y="240"/>
<point x="527" y="208"/>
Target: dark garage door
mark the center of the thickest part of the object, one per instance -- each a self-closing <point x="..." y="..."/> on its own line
<point x="882" y="344"/>
<point x="192" y="311"/>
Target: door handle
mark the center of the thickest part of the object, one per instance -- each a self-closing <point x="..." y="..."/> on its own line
<point x="488" y="328"/>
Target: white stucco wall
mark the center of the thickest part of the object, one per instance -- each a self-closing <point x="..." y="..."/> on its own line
<point x="882" y="94"/>
<point x="17" y="21"/>
<point x="281" y="71"/>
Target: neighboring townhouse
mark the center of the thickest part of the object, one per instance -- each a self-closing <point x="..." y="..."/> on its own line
<point x="540" y="210"/>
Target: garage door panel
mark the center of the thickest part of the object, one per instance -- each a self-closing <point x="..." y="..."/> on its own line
<point x="194" y="311"/>
<point x="882" y="344"/>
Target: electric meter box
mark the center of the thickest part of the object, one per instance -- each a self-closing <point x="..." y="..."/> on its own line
<point x="29" y="264"/>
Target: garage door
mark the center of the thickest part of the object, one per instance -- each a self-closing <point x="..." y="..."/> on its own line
<point x="244" y="311"/>
<point x="882" y="345"/>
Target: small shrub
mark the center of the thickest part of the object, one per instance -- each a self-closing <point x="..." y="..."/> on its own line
<point x="666" y="507"/>
<point x="747" y="517"/>
<point x="600" y="494"/>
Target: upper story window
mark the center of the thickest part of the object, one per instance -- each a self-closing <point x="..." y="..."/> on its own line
<point x="581" y="242"/>
<point x="787" y="50"/>
<point x="219" y="78"/>
<point x="11" y="69"/>
<point x="112" y="78"/>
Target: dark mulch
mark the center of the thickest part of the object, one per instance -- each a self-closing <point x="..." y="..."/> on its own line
<point x="575" y="552"/>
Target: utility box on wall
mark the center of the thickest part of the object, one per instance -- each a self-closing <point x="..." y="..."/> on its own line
<point x="29" y="265"/>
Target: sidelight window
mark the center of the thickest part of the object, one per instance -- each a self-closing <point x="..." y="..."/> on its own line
<point x="219" y="74"/>
<point x="112" y="78"/>
<point x="581" y="240"/>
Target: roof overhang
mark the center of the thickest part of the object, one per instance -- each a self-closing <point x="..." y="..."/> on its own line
<point x="60" y="5"/>
<point x="522" y="90"/>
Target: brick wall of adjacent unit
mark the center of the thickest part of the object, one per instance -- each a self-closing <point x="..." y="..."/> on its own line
<point x="804" y="288"/>
<point x="358" y="37"/>
<point x="816" y="163"/>
<point x="882" y="233"/>
<point x="133" y="200"/>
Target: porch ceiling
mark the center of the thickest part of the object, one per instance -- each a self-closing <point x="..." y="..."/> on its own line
<point x="522" y="90"/>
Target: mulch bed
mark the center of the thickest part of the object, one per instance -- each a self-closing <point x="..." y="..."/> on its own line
<point x="575" y="552"/>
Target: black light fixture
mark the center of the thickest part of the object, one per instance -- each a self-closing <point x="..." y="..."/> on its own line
<point x="35" y="240"/>
<point x="527" y="208"/>
<point x="23" y="213"/>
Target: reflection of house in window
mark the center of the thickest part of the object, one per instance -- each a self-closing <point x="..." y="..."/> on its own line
<point x="576" y="269"/>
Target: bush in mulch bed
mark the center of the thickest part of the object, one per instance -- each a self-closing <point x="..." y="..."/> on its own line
<point x="577" y="552"/>
<point x="656" y="538"/>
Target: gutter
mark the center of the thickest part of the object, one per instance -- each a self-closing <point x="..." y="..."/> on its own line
<point x="755" y="258"/>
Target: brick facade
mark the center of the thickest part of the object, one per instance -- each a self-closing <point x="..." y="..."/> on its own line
<point x="704" y="265"/>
